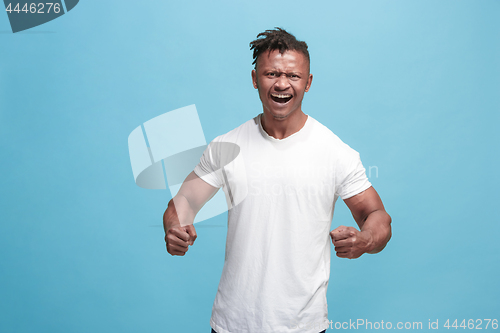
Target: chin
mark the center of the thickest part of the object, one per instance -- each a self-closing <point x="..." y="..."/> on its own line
<point x="282" y="114"/>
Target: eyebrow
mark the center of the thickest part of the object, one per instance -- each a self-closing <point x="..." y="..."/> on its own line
<point x="277" y="70"/>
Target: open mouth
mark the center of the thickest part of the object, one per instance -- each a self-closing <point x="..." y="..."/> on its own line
<point x="281" y="98"/>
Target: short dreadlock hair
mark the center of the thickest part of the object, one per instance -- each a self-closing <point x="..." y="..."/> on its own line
<point x="277" y="39"/>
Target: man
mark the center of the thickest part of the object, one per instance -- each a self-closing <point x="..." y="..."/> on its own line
<point x="287" y="171"/>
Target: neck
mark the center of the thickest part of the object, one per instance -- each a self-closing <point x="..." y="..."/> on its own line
<point x="282" y="128"/>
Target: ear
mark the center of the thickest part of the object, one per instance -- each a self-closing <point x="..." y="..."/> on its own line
<point x="309" y="81"/>
<point x="254" y="79"/>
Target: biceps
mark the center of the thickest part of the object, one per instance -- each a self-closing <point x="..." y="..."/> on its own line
<point x="363" y="204"/>
<point x="196" y="191"/>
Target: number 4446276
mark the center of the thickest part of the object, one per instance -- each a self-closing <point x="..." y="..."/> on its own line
<point x="35" y="8"/>
<point x="473" y="324"/>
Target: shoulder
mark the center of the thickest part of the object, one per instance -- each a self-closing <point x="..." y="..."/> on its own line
<point x="225" y="147"/>
<point x="331" y="140"/>
<point x="239" y="132"/>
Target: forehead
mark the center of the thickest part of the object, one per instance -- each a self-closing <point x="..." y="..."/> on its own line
<point x="289" y="60"/>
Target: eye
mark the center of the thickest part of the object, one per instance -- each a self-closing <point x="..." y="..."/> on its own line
<point x="271" y="74"/>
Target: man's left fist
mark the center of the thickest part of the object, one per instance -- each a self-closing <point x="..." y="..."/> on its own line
<point x="350" y="242"/>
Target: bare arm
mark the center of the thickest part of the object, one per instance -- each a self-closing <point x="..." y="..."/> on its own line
<point x="374" y="224"/>
<point x="179" y="217"/>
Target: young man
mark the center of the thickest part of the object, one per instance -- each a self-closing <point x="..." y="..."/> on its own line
<point x="282" y="173"/>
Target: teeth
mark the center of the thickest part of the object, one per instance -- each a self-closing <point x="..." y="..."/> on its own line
<point x="281" y="96"/>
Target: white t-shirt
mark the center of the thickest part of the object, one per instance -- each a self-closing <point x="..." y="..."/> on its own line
<point x="281" y="196"/>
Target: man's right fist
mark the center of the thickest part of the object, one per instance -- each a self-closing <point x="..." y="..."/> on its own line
<point x="179" y="238"/>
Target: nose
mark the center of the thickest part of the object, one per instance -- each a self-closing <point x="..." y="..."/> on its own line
<point x="282" y="82"/>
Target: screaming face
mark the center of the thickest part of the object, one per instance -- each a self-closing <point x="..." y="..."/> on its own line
<point x="281" y="80"/>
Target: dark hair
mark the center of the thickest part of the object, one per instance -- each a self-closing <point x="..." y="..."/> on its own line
<point x="277" y="39"/>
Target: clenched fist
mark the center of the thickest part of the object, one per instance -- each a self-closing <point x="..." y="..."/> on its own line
<point x="350" y="242"/>
<point x="179" y="238"/>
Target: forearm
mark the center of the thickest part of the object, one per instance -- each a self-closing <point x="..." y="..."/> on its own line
<point x="378" y="226"/>
<point x="178" y="212"/>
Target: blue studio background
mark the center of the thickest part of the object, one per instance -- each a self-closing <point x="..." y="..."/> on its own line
<point x="412" y="85"/>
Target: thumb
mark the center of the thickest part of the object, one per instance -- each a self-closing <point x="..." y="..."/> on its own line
<point x="338" y="229"/>
<point x="336" y="233"/>
<point x="191" y="232"/>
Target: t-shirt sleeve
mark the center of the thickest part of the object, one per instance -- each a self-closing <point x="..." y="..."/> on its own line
<point x="352" y="178"/>
<point x="208" y="169"/>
